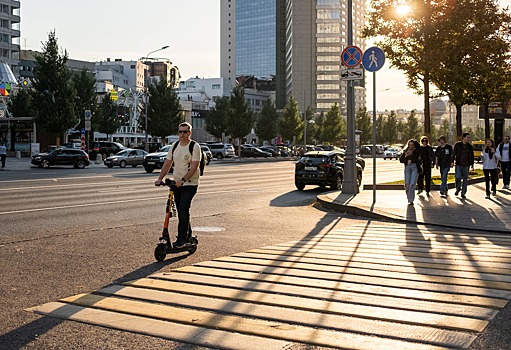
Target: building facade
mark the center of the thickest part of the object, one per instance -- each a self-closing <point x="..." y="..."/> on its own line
<point x="10" y="33"/>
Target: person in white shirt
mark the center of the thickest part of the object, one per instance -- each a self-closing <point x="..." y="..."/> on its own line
<point x="3" y="153"/>
<point x="505" y="160"/>
<point x="490" y="158"/>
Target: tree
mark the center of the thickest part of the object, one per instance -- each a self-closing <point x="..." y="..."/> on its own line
<point x="291" y="125"/>
<point x="20" y="104"/>
<point x="164" y="110"/>
<point x="240" y="119"/>
<point x="106" y="119"/>
<point x="364" y="124"/>
<point x="445" y="129"/>
<point x="319" y="122"/>
<point x="308" y="128"/>
<point x="216" y="119"/>
<point x="53" y="91"/>
<point x="334" y="126"/>
<point x="407" y="41"/>
<point x="85" y="85"/>
<point x="266" y="126"/>
<point x="412" y="129"/>
<point x="380" y="123"/>
<point x="389" y="130"/>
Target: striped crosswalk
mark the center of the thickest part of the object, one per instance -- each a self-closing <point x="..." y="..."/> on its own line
<point x="360" y="287"/>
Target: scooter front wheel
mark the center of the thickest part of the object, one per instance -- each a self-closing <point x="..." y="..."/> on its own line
<point x="193" y="248"/>
<point x="160" y="252"/>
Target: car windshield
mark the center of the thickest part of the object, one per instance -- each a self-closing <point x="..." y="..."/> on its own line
<point x="315" y="159"/>
<point x="122" y="153"/>
<point x="478" y="146"/>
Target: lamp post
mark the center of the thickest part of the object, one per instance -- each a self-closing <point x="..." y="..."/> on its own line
<point x="146" y="99"/>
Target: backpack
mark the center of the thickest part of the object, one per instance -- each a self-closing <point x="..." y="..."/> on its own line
<point x="191" y="145"/>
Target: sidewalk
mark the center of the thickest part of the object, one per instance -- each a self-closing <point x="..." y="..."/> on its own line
<point x="474" y="213"/>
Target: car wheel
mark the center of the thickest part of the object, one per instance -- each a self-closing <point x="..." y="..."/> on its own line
<point x="80" y="164"/>
<point x="299" y="185"/>
<point x="337" y="185"/>
<point x="122" y="164"/>
<point x="219" y="156"/>
<point x="384" y="158"/>
<point x="133" y="165"/>
<point x="45" y="163"/>
<point x="109" y="165"/>
<point x="148" y="169"/>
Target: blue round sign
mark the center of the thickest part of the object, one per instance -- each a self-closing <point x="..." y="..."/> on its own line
<point x="351" y="56"/>
<point x="373" y="59"/>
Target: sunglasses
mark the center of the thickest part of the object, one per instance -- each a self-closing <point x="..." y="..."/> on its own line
<point x="424" y="140"/>
<point x="184" y="131"/>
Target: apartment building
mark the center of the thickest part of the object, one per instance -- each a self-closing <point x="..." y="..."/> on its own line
<point x="10" y="34"/>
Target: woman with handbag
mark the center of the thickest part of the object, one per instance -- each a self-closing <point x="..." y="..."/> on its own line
<point x="490" y="158"/>
<point x="412" y="161"/>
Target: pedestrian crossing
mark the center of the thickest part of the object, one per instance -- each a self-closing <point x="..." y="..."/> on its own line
<point x="359" y="287"/>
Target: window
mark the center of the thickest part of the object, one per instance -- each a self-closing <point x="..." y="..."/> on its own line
<point x="215" y="86"/>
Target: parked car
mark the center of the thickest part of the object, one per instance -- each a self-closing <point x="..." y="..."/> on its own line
<point x="105" y="148"/>
<point x="284" y="150"/>
<point x="252" y="151"/>
<point x="222" y="150"/>
<point x="155" y="160"/>
<point x="360" y="161"/>
<point x="322" y="168"/>
<point x="205" y="149"/>
<point x="364" y="150"/>
<point x="152" y="146"/>
<point x="62" y="156"/>
<point x="391" y="153"/>
<point x="275" y="152"/>
<point x="77" y="145"/>
<point x="125" y="157"/>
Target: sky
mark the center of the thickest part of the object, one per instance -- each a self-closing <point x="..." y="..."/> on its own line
<point x="94" y="30"/>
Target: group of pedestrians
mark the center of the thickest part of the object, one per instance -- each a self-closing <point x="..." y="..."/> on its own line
<point x="419" y="159"/>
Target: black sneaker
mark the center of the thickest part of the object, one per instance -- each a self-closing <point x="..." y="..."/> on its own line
<point x="457" y="192"/>
<point x="178" y="244"/>
<point x="463" y="196"/>
<point x="442" y="193"/>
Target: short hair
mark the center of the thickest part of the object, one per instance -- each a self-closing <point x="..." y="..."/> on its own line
<point x="465" y="134"/>
<point x="186" y="124"/>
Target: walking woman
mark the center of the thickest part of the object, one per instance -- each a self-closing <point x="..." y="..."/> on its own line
<point x="428" y="160"/>
<point x="490" y="158"/>
<point x="411" y="159"/>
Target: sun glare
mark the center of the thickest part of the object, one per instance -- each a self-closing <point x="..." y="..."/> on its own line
<point x="402" y="10"/>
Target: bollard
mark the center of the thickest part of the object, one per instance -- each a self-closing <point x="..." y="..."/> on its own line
<point x="18" y="154"/>
<point x="99" y="158"/>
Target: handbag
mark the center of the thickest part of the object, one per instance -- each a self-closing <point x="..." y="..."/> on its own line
<point x="420" y="168"/>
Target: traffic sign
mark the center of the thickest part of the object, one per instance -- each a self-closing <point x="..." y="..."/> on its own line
<point x="87" y="114"/>
<point x="87" y="125"/>
<point x="373" y="59"/>
<point x="351" y="56"/>
<point x="113" y="95"/>
<point x="352" y="74"/>
<point x="82" y="131"/>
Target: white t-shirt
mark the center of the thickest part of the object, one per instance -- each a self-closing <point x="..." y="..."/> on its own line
<point x="505" y="152"/>
<point x="182" y="160"/>
<point x="3" y="150"/>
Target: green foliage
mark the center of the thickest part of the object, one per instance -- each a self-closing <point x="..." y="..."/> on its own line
<point x="478" y="133"/>
<point x="364" y="124"/>
<point x="380" y="122"/>
<point x="85" y="85"/>
<point x="389" y="128"/>
<point x="240" y="120"/>
<point x="106" y="119"/>
<point x="310" y="124"/>
<point x="164" y="110"/>
<point x="216" y="119"/>
<point x="266" y="126"/>
<point x="291" y="125"/>
<point x="412" y="129"/>
<point x="20" y="104"/>
<point x="334" y="126"/>
<point x="53" y="92"/>
<point x="445" y="130"/>
<point x="319" y="122"/>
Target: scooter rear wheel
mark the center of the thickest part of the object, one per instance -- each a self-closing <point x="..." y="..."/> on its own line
<point x="193" y="248"/>
<point x="160" y="252"/>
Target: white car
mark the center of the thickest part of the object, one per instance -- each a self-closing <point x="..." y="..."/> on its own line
<point x="391" y="153"/>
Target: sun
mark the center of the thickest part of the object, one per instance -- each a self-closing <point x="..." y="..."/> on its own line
<point x="402" y="10"/>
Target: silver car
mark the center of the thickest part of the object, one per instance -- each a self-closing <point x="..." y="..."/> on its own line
<point x="125" y="157"/>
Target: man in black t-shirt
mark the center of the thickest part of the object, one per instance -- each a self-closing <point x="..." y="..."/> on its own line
<point x="463" y="157"/>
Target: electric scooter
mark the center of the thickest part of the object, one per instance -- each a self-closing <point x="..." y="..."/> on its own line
<point x="165" y="246"/>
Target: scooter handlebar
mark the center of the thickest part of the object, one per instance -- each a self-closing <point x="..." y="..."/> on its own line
<point x="170" y="182"/>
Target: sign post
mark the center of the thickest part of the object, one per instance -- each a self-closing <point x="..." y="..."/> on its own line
<point x="87" y="126"/>
<point x="373" y="60"/>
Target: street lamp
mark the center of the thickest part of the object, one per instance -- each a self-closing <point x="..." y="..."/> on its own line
<point x="146" y="147"/>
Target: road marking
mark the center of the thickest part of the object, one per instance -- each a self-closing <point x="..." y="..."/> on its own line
<point x="353" y="287"/>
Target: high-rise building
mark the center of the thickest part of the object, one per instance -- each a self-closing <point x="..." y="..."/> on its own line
<point x="10" y="34"/>
<point x="302" y="48"/>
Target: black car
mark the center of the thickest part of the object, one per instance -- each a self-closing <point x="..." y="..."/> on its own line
<point x="322" y="168"/>
<point x="275" y="152"/>
<point x="62" y="156"/>
<point x="105" y="148"/>
<point x="252" y="151"/>
<point x="155" y="160"/>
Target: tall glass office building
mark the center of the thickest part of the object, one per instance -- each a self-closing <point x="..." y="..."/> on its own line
<point x="256" y="25"/>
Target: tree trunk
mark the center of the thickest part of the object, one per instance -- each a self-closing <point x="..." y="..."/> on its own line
<point x="486" y="122"/>
<point x="427" y="113"/>
<point x="459" y="126"/>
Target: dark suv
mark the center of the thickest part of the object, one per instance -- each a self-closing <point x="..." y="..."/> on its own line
<point x="155" y="160"/>
<point x="322" y="168"/>
<point x="62" y="156"/>
<point x="105" y="148"/>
